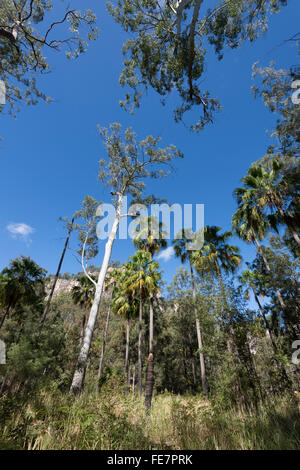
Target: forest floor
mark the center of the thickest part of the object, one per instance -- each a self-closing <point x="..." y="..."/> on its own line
<point x="113" y="421"/>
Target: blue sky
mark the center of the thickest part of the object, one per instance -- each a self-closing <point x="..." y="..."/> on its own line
<point x="49" y="155"/>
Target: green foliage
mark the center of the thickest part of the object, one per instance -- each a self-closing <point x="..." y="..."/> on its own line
<point x="168" y="41"/>
<point x="26" y="33"/>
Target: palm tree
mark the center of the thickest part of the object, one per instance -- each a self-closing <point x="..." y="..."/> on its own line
<point x="221" y="256"/>
<point x="180" y="247"/>
<point x="251" y="225"/>
<point x="151" y="236"/>
<point x="151" y="239"/>
<point x="22" y="281"/>
<point x="271" y="190"/>
<point x="142" y="284"/>
<point x="83" y="295"/>
<point x="125" y="304"/>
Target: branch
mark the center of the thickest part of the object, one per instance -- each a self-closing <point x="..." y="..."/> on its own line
<point x="82" y="258"/>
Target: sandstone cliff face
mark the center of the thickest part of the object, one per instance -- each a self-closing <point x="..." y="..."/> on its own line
<point x="62" y="285"/>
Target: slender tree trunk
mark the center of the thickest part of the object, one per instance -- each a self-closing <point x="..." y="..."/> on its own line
<point x="268" y="329"/>
<point x="275" y="349"/>
<point x="100" y="370"/>
<point x="133" y="380"/>
<point x="78" y="378"/>
<point x="150" y="365"/>
<point x="57" y="273"/>
<point x="230" y="338"/>
<point x="261" y="252"/>
<point x="126" y="366"/>
<point x="199" y="337"/>
<point x="83" y="327"/>
<point x="140" y="345"/>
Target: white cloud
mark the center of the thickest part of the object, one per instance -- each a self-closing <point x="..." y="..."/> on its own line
<point x="167" y="254"/>
<point x="21" y="231"/>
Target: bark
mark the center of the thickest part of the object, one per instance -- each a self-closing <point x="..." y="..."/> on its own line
<point x="260" y="250"/>
<point x="126" y="366"/>
<point x="199" y="337"/>
<point x="100" y="370"/>
<point x="230" y="338"/>
<point x="150" y="365"/>
<point x="57" y="273"/>
<point x="78" y="378"/>
<point x="140" y="345"/>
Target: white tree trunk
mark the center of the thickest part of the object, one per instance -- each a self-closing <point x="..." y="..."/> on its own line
<point x="78" y="378"/>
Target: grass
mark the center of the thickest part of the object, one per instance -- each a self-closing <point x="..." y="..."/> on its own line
<point x="112" y="421"/>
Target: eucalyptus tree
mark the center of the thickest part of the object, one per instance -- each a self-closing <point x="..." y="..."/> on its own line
<point x="166" y="48"/>
<point x="21" y="282"/>
<point x="277" y="88"/>
<point x="29" y="30"/>
<point x="180" y="246"/>
<point x="129" y="163"/>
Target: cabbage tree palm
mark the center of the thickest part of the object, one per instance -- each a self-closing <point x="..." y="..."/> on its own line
<point x="142" y="283"/>
<point x="251" y="225"/>
<point x="124" y="303"/>
<point x="83" y="295"/>
<point x="222" y="257"/>
<point x="274" y="191"/>
<point x="151" y="238"/>
<point x="21" y="282"/>
<point x="180" y="247"/>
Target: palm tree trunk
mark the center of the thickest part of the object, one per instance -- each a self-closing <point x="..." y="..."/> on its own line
<point x="100" y="370"/>
<point x="260" y="250"/>
<point x="199" y="337"/>
<point x="57" y="273"/>
<point x="150" y="365"/>
<point x="140" y="345"/>
<point x="126" y="367"/>
<point x="79" y="374"/>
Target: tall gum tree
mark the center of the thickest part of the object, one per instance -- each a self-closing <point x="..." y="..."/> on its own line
<point x="29" y="29"/>
<point x="129" y="163"/>
<point x="168" y="41"/>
